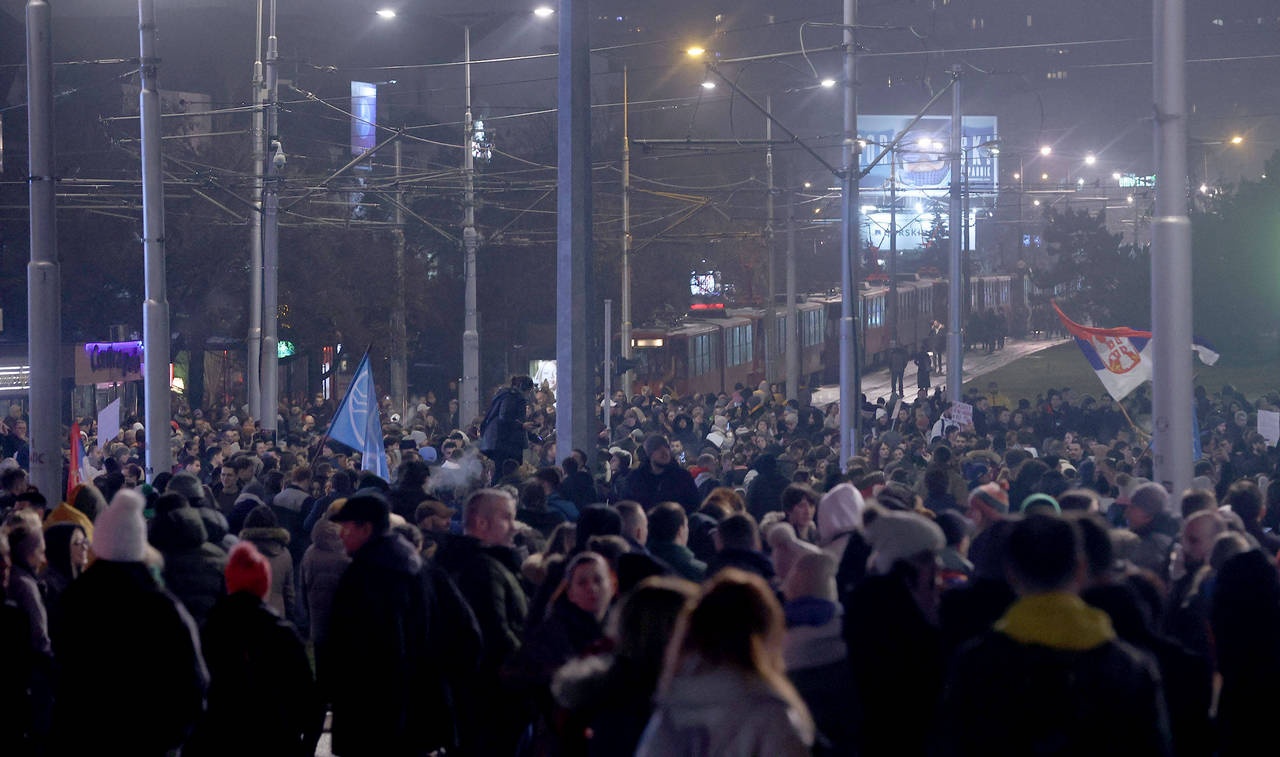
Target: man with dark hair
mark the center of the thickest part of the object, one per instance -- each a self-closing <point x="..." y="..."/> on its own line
<point x="669" y="538"/>
<point x="551" y="480"/>
<point x="380" y="668"/>
<point x="13" y="482"/>
<point x="1051" y="675"/>
<point x="661" y="479"/>
<point x="1245" y="499"/>
<point x="737" y="539"/>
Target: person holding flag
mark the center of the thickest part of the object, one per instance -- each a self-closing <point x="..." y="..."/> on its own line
<point x="358" y="424"/>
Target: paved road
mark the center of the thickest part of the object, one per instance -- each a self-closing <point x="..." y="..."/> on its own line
<point x="876" y="383"/>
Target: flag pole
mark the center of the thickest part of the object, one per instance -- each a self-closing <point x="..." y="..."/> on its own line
<point x="341" y="405"/>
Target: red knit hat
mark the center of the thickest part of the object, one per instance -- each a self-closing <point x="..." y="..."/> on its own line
<point x="248" y="570"/>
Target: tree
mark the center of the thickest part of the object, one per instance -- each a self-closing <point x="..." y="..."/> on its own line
<point x="1104" y="280"/>
<point x="1235" y="266"/>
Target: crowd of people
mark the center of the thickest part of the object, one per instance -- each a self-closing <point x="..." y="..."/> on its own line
<point x="711" y="579"/>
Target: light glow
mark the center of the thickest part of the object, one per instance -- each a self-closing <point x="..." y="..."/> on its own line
<point x="543" y="11"/>
<point x="696" y="52"/>
<point x="386" y="13"/>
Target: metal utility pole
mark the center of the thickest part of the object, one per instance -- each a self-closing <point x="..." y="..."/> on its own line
<point x="271" y="237"/>
<point x="469" y="390"/>
<point x="892" y="310"/>
<point x="44" y="276"/>
<point x="155" y="310"/>
<point x="792" y="338"/>
<point x="258" y="138"/>
<point x="399" y="357"/>
<point x="625" y="335"/>
<point x="770" y="306"/>
<point x="1172" y="406"/>
<point x="608" y="368"/>
<point x="851" y="158"/>
<point x="955" y="350"/>
<point x="575" y="392"/>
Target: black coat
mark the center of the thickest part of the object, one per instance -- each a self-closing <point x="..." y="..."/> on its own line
<point x="1006" y="698"/>
<point x="193" y="568"/>
<point x="672" y="484"/>
<point x="382" y="672"/>
<point x="262" y="696"/>
<point x="130" y="673"/>
<point x="502" y="430"/>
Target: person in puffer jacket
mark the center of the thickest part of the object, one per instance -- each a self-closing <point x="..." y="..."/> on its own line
<point x="193" y="567"/>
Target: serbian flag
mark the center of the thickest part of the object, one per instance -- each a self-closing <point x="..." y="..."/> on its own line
<point x="1118" y="355"/>
<point x="77" y="454"/>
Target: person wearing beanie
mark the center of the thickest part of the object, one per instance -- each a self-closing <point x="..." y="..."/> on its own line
<point x="130" y="671"/>
<point x="1143" y="515"/>
<point x="894" y="612"/>
<point x="988" y="505"/>
<point x="262" y="696"/>
<point x="262" y="528"/>
<point x="660" y="478"/>
<point x="814" y="650"/>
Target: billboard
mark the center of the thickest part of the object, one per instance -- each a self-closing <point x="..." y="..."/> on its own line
<point x="364" y="116"/>
<point x="924" y="153"/>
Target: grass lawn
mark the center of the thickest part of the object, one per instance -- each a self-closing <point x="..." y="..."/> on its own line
<point x="1064" y="365"/>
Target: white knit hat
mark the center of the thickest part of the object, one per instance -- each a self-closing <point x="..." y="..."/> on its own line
<point x="899" y="536"/>
<point x="120" y="533"/>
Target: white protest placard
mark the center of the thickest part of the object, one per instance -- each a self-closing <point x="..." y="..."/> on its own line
<point x="962" y="413"/>
<point x="1269" y="426"/>
<point x="109" y="423"/>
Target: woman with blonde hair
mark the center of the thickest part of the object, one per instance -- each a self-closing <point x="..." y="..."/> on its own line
<point x="724" y="689"/>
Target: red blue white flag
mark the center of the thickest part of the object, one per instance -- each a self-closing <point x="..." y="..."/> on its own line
<point x="1118" y="355"/>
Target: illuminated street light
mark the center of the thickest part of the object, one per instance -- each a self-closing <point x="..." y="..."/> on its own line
<point x="828" y="83"/>
<point x="1036" y="203"/>
<point x="1017" y="177"/>
<point x="1079" y="182"/>
<point x="543" y="11"/>
<point x="1044" y="177"/>
<point x="1116" y="176"/>
<point x="1237" y="139"/>
<point x="386" y="13"/>
<point x="695" y="52"/>
<point x="1090" y="159"/>
<point x="1129" y="199"/>
<point x="708" y="84"/>
<point x="1046" y="150"/>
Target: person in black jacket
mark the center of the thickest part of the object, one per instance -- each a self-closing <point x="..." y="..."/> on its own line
<point x="484" y="566"/>
<point x="661" y="479"/>
<point x="504" y="432"/>
<point x="385" y="679"/>
<point x="123" y="640"/>
<point x="262" y="696"/>
<point x="1051" y="677"/>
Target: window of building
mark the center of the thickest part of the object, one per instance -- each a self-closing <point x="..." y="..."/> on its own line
<point x="701" y="354"/>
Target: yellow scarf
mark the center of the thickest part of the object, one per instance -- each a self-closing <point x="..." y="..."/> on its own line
<point x="1058" y="620"/>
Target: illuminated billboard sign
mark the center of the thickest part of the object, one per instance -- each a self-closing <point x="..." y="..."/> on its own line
<point x="364" y="116"/>
<point x="109" y="363"/>
<point x="924" y="154"/>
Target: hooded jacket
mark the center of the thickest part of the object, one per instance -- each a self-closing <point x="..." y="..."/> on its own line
<point x="322" y="567"/>
<point x="273" y="543"/>
<point x="193" y="568"/>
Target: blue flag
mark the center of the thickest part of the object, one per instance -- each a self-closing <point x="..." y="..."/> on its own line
<point x="357" y="423"/>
